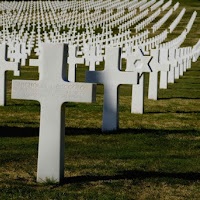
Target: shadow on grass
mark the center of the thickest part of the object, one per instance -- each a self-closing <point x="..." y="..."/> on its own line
<point x="34" y="132"/>
<point x="190" y="98"/>
<point x="135" y="174"/>
<point x="181" y="112"/>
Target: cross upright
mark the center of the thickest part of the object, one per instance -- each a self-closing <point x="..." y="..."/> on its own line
<point x="173" y="65"/>
<point x="73" y="60"/>
<point x="189" y="57"/>
<point x="111" y="77"/>
<point x="164" y="61"/>
<point x="178" y="58"/>
<point x="181" y="61"/>
<point x="4" y="67"/>
<point x="93" y="58"/>
<point x="52" y="90"/>
<point x="23" y="52"/>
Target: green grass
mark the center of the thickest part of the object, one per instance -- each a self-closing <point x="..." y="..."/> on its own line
<point x="152" y="156"/>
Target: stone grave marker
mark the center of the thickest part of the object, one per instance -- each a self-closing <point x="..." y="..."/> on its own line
<point x="153" y="76"/>
<point x="73" y="60"/>
<point x="164" y="61"/>
<point x="111" y="77"/>
<point x="173" y="65"/>
<point x="4" y="67"/>
<point x="177" y="69"/>
<point x="52" y="90"/>
<point x="93" y="58"/>
<point x="138" y="62"/>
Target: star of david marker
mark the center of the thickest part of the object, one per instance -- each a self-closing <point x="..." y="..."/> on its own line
<point x="138" y="62"/>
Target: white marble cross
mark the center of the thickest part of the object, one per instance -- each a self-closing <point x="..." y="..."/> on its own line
<point x="52" y="90"/>
<point x="111" y="77"/>
<point x="73" y="60"/>
<point x="24" y="53"/>
<point x="164" y="61"/>
<point x="177" y="69"/>
<point x="17" y="54"/>
<point x="93" y="58"/>
<point x="173" y="65"/>
<point x="4" y="67"/>
<point x="153" y="76"/>
<point x="182" y="57"/>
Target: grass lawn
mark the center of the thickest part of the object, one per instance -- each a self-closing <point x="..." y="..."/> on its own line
<point x="152" y="156"/>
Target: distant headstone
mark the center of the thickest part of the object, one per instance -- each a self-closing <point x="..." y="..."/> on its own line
<point x="52" y="90"/>
<point x="93" y="58"/>
<point x="73" y="60"/>
<point x="138" y="62"/>
<point x="173" y="65"/>
<point x="177" y="69"/>
<point x="153" y="76"/>
<point x="4" y="67"/>
<point x="164" y="61"/>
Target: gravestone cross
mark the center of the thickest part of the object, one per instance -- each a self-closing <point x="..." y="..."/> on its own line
<point x="73" y="60"/>
<point x="93" y="58"/>
<point x="173" y="65"/>
<point x="15" y="54"/>
<point x="153" y="76"/>
<point x="164" y="61"/>
<point x="4" y="67"/>
<point x="111" y="77"/>
<point x="52" y="90"/>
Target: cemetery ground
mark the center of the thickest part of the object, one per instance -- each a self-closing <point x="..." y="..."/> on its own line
<point x="152" y="156"/>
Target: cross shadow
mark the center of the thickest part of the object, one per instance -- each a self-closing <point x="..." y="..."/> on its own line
<point x="34" y="132"/>
<point x="182" y="112"/>
<point x="134" y="174"/>
<point x="190" y="98"/>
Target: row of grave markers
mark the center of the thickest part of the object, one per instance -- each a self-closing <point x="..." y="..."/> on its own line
<point x="57" y="83"/>
<point x="170" y="62"/>
<point x="41" y="21"/>
<point x="53" y="90"/>
<point x="15" y="53"/>
<point x="181" y="59"/>
<point x="121" y="40"/>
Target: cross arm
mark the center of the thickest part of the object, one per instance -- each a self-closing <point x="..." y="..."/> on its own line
<point x="12" y="66"/>
<point x="77" y="92"/>
<point x="127" y="78"/>
<point x="22" y="89"/>
<point x="8" y="66"/>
